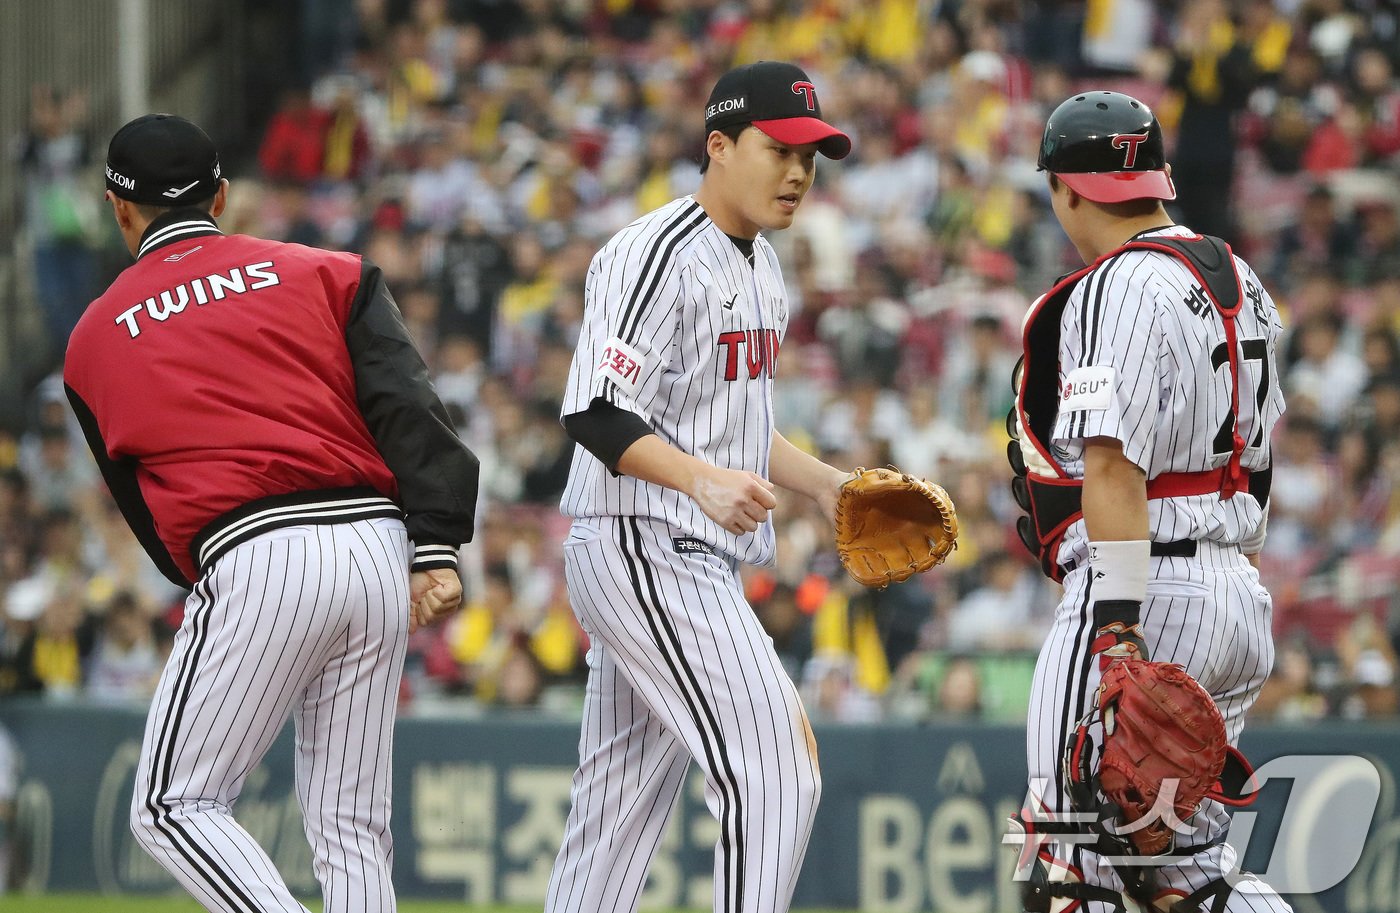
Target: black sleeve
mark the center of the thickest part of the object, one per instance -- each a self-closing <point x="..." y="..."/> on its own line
<point x="1260" y="482"/>
<point x="121" y="482"/>
<point x="606" y="431"/>
<point x="436" y="473"/>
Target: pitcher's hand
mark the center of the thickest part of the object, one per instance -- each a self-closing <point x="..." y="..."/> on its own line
<point x="737" y="500"/>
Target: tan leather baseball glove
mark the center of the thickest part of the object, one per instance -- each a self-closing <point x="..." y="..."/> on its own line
<point x="891" y="526"/>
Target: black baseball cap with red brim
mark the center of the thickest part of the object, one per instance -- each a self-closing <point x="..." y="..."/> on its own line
<point x="778" y="99"/>
<point x="1108" y="148"/>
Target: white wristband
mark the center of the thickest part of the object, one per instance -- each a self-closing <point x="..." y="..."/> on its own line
<point x="1119" y="569"/>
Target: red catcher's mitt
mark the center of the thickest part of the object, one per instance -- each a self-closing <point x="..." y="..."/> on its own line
<point x="891" y="526"/>
<point x="1164" y="743"/>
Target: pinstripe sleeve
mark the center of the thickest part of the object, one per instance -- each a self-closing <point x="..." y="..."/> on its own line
<point x="632" y="299"/>
<point x="1110" y="379"/>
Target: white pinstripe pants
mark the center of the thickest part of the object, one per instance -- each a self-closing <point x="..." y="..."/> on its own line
<point x="679" y="668"/>
<point x="1211" y="615"/>
<point x="307" y="621"/>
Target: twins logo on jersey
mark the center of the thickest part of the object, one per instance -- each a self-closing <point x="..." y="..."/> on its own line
<point x="237" y="281"/>
<point x="759" y="348"/>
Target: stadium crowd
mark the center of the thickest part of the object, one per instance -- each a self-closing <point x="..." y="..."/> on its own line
<point x="481" y="152"/>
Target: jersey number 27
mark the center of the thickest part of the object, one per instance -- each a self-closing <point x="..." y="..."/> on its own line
<point x="1255" y="349"/>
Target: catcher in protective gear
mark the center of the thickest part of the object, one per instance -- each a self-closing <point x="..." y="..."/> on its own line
<point x="1149" y="392"/>
<point x="891" y="526"/>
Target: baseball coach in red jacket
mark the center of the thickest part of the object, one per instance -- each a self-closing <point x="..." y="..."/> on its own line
<point x="269" y="431"/>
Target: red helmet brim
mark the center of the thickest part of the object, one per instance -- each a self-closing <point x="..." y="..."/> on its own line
<point x="1120" y="186"/>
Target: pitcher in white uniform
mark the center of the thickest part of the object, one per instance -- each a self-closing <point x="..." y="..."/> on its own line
<point x="670" y="400"/>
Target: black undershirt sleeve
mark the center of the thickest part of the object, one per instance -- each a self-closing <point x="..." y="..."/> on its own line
<point x="606" y="431"/>
<point x="1261" y="481"/>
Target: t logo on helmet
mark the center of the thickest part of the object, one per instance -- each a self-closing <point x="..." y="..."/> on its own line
<point x="1130" y="142"/>
<point x="809" y="92"/>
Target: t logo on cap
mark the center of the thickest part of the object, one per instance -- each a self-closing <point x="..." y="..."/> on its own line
<point x="778" y="99"/>
<point x="1129" y="141"/>
<point x="809" y="92"/>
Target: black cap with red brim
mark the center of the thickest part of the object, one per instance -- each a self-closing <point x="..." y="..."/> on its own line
<point x="779" y="100"/>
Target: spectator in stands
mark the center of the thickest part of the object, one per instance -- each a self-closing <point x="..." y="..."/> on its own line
<point x="518" y="678"/>
<point x="475" y="271"/>
<point x="293" y="146"/>
<point x="1378" y="96"/>
<point x="1285" y="113"/>
<point x="786" y="623"/>
<point x="17" y="520"/>
<point x="549" y="452"/>
<point x="1291" y="694"/>
<point x="864" y="329"/>
<point x="1363" y="492"/>
<point x="831" y="693"/>
<point x="50" y="659"/>
<point x="1000" y="614"/>
<point x="1337" y="143"/>
<point x="864" y="413"/>
<point x="954" y="211"/>
<point x="524" y="302"/>
<point x="1305" y="486"/>
<point x="930" y="442"/>
<point x="959" y="694"/>
<point x="61" y="475"/>
<point x="345" y="139"/>
<point x="1318" y="291"/>
<point x="59" y="557"/>
<point x="480" y="633"/>
<point x="1373" y="681"/>
<point x="1327" y="374"/>
<point x="1212" y="75"/>
<point x="1368" y="670"/>
<point x="978" y="375"/>
<point x="442" y="186"/>
<point x="60" y="213"/>
<point x="124" y="665"/>
<point x="25" y="601"/>
<point x="1377" y="252"/>
<point x="1317" y="241"/>
<point x="880" y="190"/>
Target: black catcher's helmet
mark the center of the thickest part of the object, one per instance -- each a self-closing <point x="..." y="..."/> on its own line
<point x="1108" y="148"/>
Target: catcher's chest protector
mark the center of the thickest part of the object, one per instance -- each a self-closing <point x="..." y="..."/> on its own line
<point x="1053" y="503"/>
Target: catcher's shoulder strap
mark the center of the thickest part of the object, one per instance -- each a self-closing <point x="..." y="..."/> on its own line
<point x="1053" y="503"/>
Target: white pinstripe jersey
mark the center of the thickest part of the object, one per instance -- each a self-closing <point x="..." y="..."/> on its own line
<point x="681" y="330"/>
<point x="1143" y="352"/>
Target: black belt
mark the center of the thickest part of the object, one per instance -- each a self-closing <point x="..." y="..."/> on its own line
<point x="1177" y="548"/>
